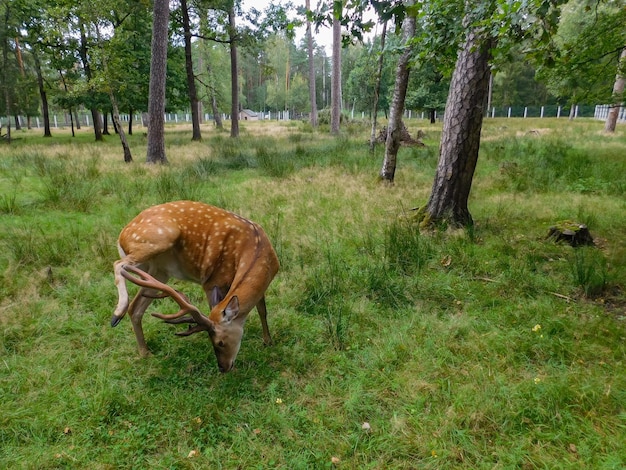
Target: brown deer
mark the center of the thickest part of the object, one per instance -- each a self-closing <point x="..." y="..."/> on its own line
<point x="231" y="257"/>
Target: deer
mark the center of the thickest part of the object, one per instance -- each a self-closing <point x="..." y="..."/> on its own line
<point x="229" y="256"/>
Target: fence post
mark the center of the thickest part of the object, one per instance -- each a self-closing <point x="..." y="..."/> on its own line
<point x="542" y="112"/>
<point x="558" y="112"/>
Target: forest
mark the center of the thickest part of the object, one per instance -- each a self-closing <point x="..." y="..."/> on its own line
<point x="63" y="57"/>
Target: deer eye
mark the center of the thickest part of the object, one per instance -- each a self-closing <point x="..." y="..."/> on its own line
<point x="220" y="344"/>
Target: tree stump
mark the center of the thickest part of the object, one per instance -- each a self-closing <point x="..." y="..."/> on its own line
<point x="573" y="233"/>
<point x="405" y="137"/>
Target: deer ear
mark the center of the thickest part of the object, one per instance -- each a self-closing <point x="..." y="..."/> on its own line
<point x="216" y="297"/>
<point x="232" y="309"/>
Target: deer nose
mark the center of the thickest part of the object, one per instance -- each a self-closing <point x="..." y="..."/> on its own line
<point x="224" y="369"/>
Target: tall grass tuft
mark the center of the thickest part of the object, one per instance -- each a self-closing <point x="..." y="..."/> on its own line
<point x="326" y="294"/>
<point x="405" y="250"/>
<point x="275" y="164"/>
<point x="70" y="184"/>
<point x="589" y="271"/>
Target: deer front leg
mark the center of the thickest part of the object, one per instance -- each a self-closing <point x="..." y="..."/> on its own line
<point x="137" y="308"/>
<point x="261" y="308"/>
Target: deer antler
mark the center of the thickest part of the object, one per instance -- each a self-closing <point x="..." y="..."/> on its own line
<point x="144" y="279"/>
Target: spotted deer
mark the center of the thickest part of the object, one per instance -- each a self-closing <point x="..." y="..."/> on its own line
<point x="229" y="256"/>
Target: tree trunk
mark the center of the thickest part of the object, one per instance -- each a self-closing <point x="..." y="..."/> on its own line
<point x="118" y="126"/>
<point x="156" y="94"/>
<point x="312" y="92"/>
<point x="45" y="109"/>
<point x="5" y="73"/>
<point x="394" y="128"/>
<point x="379" y="74"/>
<point x="191" y="79"/>
<point x="234" y="72"/>
<point x="618" y="91"/>
<point x="460" y="140"/>
<point x="84" y="56"/>
<point x="72" y="122"/>
<point x="335" y="86"/>
<point x="105" y="124"/>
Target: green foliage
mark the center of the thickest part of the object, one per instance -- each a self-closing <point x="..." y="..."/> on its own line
<point x="393" y="348"/>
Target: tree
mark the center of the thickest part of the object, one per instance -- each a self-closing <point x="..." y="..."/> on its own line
<point x="579" y="61"/>
<point x="335" y="87"/>
<point x="158" y="72"/>
<point x="312" y="93"/>
<point x="485" y="27"/>
<point x="191" y="79"/>
<point x="234" y="73"/>
<point x="618" y="94"/>
<point x="394" y="127"/>
<point x="379" y="75"/>
<point x="460" y="139"/>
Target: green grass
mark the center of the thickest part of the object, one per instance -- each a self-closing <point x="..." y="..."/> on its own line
<point x="493" y="348"/>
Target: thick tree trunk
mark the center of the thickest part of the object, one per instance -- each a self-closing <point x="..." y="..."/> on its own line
<point x="45" y="108"/>
<point x="234" y="71"/>
<point x="379" y="74"/>
<point x="394" y="128"/>
<point x="312" y="91"/>
<point x="460" y="140"/>
<point x="156" y="94"/>
<point x="335" y="86"/>
<point x="618" y="91"/>
<point x="191" y="79"/>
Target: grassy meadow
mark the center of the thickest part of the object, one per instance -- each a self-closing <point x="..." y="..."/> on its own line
<point x="393" y="349"/>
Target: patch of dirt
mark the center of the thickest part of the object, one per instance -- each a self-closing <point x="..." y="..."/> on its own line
<point x="535" y="132"/>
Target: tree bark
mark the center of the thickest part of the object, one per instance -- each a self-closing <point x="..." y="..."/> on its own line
<point x="394" y="128"/>
<point x="312" y="91"/>
<point x="234" y="72"/>
<point x="5" y="73"/>
<point x="191" y="79"/>
<point x="156" y="94"/>
<point x="618" y="91"/>
<point x="379" y="74"/>
<point x="460" y="141"/>
<point x="118" y="126"/>
<point x="84" y="56"/>
<point x="335" y="86"/>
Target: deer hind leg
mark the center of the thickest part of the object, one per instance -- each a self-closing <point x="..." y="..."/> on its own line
<point x="262" y="309"/>
<point x="139" y="304"/>
<point x="122" y="292"/>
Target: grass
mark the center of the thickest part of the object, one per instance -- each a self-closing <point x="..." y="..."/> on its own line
<point x="493" y="348"/>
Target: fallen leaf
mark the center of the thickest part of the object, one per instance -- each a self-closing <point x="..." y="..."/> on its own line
<point x="366" y="426"/>
<point x="335" y="460"/>
<point x="67" y="431"/>
<point x="573" y="449"/>
<point x="192" y="454"/>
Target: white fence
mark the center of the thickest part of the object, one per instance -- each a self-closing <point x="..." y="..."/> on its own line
<point x="602" y="111"/>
